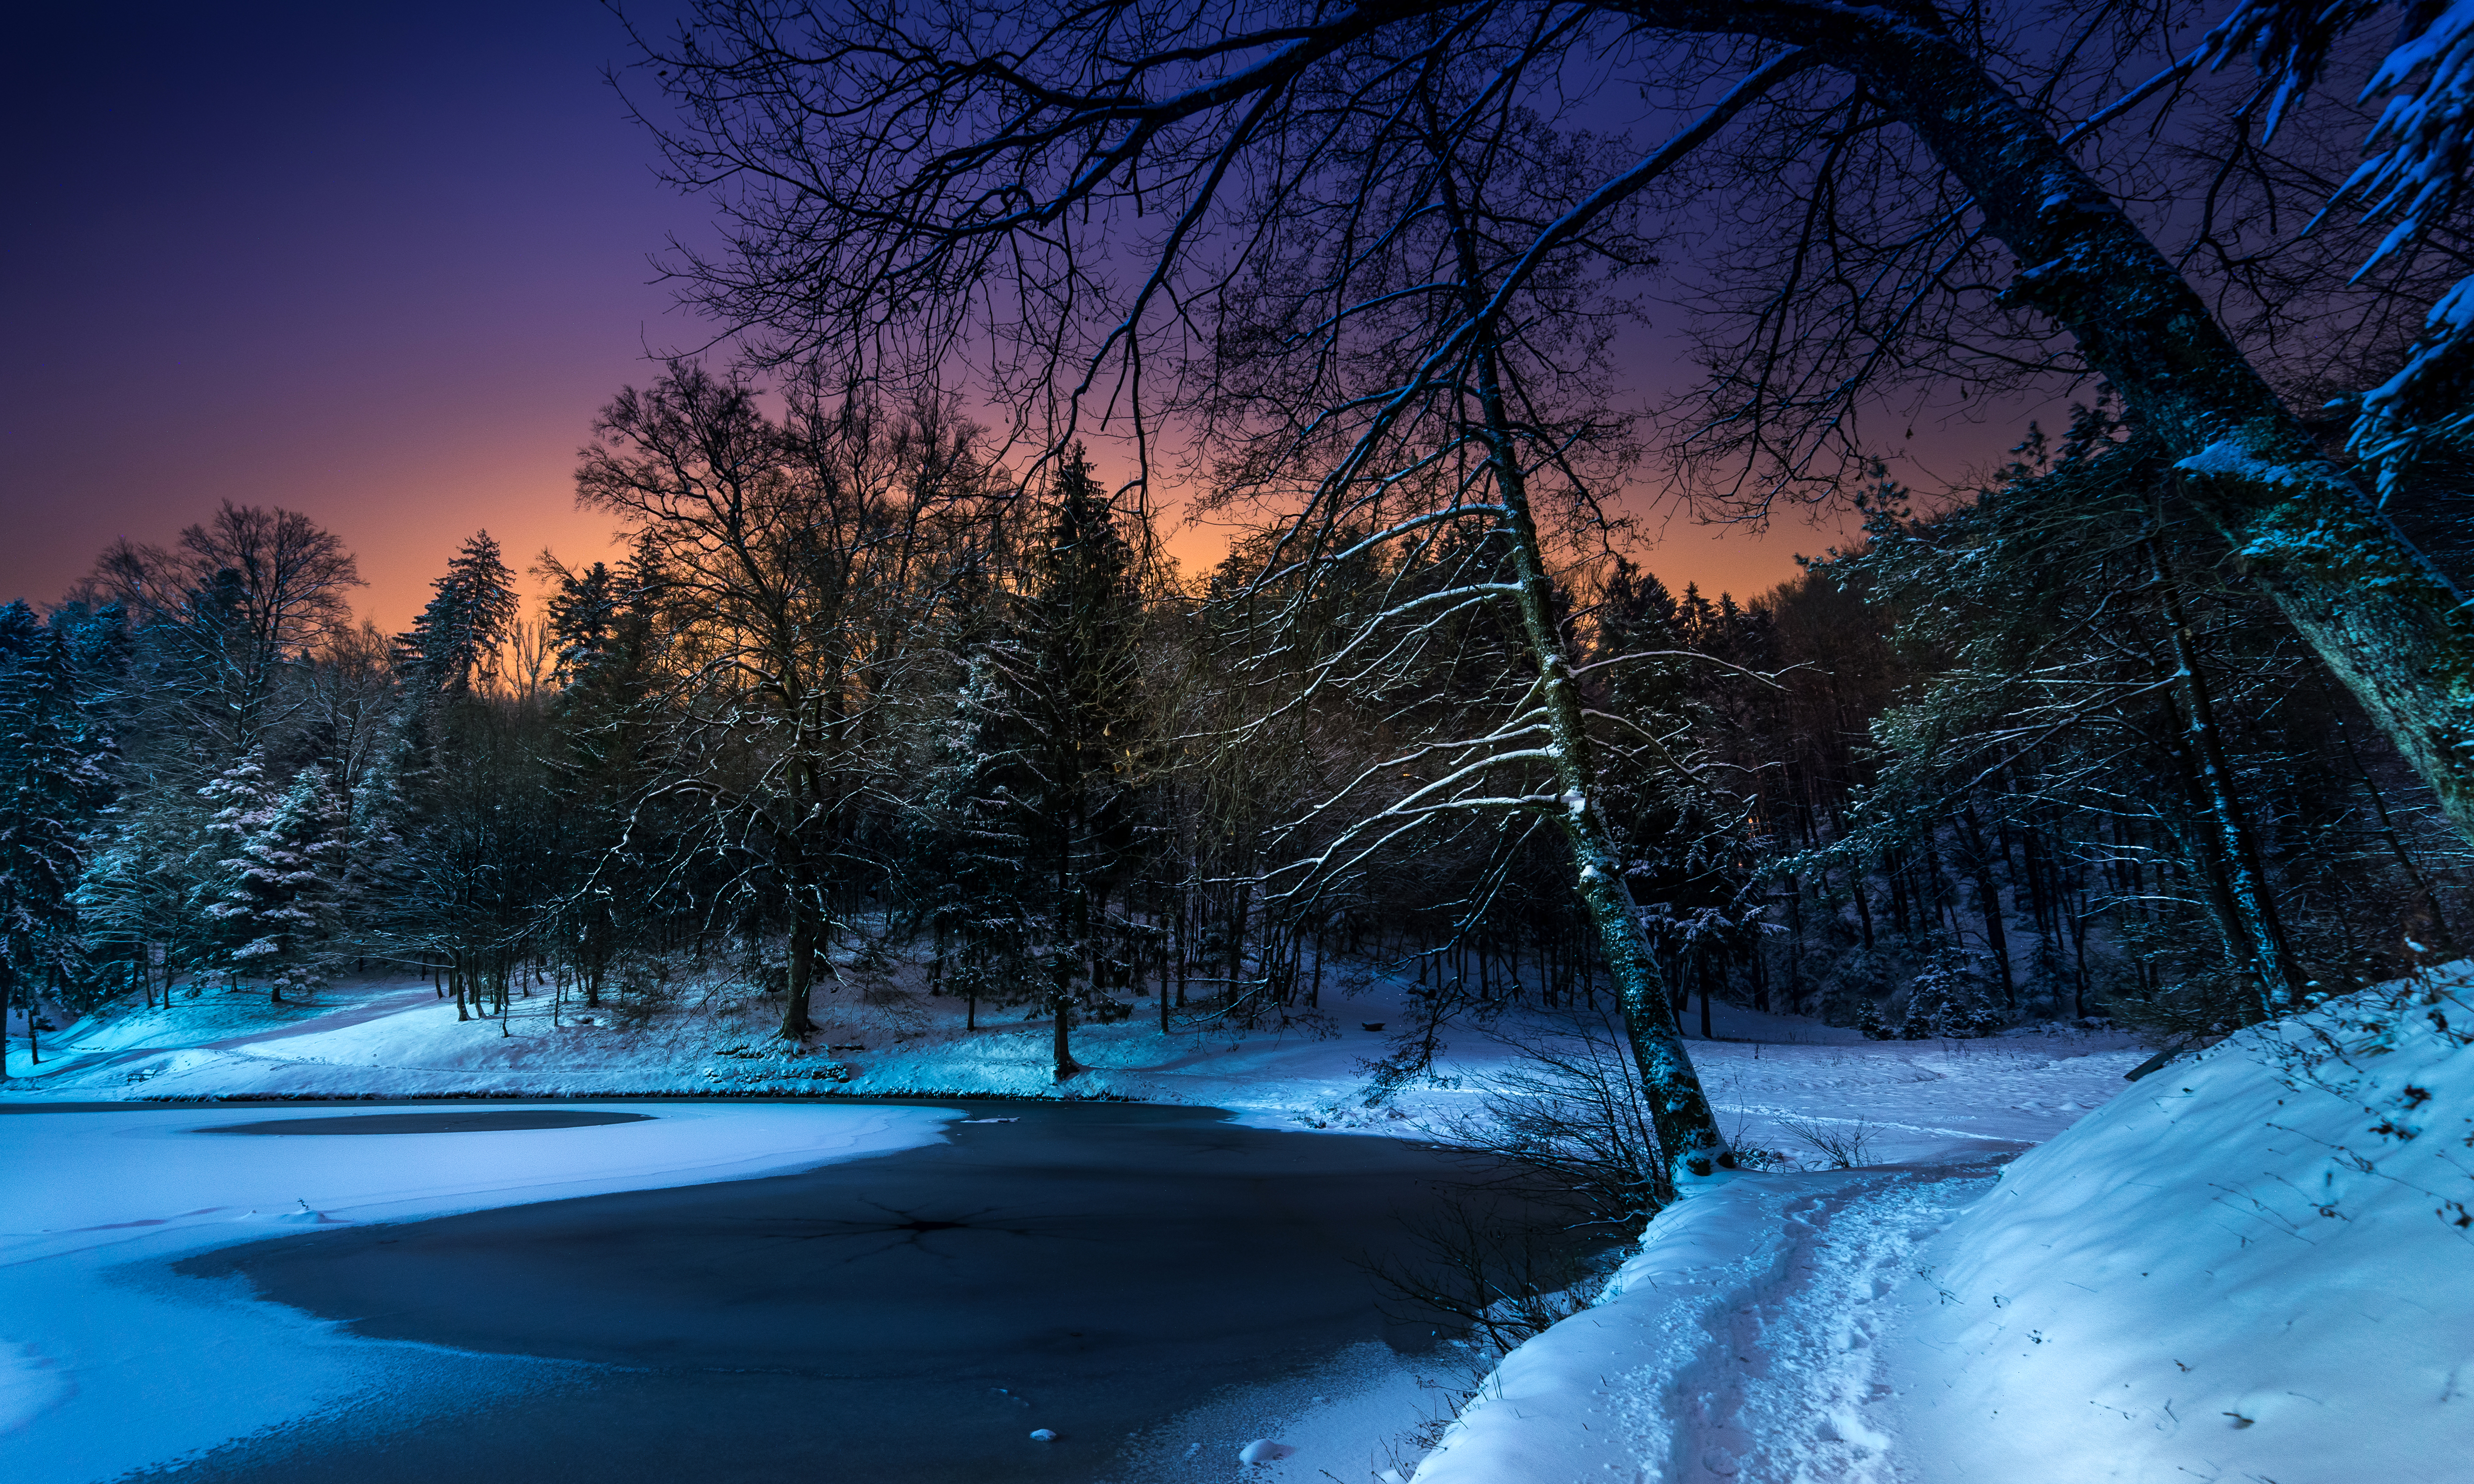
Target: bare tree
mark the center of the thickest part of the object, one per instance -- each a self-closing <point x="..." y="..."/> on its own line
<point x="796" y="571"/>
<point x="953" y="176"/>
<point x="251" y="592"/>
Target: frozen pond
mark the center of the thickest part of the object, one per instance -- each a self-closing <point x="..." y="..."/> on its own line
<point x="484" y="1120"/>
<point x="1096" y="1270"/>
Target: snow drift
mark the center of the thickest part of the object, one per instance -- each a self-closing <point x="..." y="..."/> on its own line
<point x="2252" y="1265"/>
<point x="2257" y="1265"/>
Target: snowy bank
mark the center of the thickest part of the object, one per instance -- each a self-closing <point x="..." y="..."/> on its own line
<point x="2251" y="1265"/>
<point x="1913" y="1100"/>
<point x="2256" y="1265"/>
<point x="107" y="1364"/>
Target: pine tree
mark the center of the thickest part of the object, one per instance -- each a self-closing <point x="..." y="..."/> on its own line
<point x="273" y="895"/>
<point x="456" y="638"/>
<point x="53" y="774"/>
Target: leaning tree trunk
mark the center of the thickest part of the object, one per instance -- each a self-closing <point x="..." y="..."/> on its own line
<point x="1688" y="1129"/>
<point x="2373" y="608"/>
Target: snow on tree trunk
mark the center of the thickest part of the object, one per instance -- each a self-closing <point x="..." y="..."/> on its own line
<point x="1689" y="1136"/>
<point x="2383" y="620"/>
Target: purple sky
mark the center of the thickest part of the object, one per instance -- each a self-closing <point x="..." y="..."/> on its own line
<point x="378" y="267"/>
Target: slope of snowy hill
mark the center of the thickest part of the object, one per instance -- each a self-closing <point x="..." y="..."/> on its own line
<point x="2257" y="1265"/>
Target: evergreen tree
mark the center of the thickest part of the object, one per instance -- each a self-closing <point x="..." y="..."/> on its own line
<point x="601" y="628"/>
<point x="273" y="897"/>
<point x="52" y="774"/>
<point x="1045" y="791"/>
<point x="456" y="638"/>
<point x="973" y="852"/>
<point x="1679" y="832"/>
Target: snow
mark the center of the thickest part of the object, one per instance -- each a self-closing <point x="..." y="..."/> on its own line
<point x="2228" y="1273"/>
<point x="2016" y="1287"/>
<point x="2253" y="1265"/>
<point x="29" y="1385"/>
<point x="1740" y="1341"/>
<point x="107" y="1365"/>
<point x="2230" y="458"/>
<point x="391" y="1039"/>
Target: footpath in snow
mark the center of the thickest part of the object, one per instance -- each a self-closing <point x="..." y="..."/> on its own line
<point x="2253" y="1265"/>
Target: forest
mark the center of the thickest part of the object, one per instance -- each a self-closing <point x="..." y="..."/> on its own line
<point x="2161" y="722"/>
<point x="1127" y="813"/>
<point x="856" y="698"/>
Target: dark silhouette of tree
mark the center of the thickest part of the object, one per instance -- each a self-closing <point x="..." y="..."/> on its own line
<point x="890" y="176"/>
<point x="471" y="613"/>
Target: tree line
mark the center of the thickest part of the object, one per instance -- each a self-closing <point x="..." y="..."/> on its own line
<point x="2122" y="730"/>
<point x="857" y="695"/>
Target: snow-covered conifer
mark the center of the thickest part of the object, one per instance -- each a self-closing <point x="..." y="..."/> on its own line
<point x="456" y="638"/>
<point x="273" y="892"/>
<point x="52" y="775"/>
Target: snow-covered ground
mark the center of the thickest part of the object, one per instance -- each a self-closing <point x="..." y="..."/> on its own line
<point x="84" y="1326"/>
<point x="2251" y="1265"/>
<point x="105" y="1367"/>
<point x="393" y="1039"/>
<point x="2254" y="1265"/>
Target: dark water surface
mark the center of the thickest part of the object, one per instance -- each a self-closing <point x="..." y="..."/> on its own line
<point x="1094" y="1269"/>
<point x="484" y="1120"/>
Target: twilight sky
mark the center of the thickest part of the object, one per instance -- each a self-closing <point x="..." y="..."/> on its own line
<point x="380" y="266"/>
<point x="377" y="264"/>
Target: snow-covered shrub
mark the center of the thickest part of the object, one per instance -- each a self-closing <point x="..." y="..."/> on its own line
<point x="643" y="986"/>
<point x="1948" y="1000"/>
<point x="1858" y="982"/>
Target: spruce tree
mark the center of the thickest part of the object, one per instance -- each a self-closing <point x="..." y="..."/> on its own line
<point x="1053" y="721"/>
<point x="457" y="636"/>
<point x="52" y="776"/>
<point x="273" y="895"/>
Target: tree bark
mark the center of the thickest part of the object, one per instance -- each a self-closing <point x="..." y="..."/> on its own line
<point x="1988" y="903"/>
<point x="2443" y="939"/>
<point x="2374" y="610"/>
<point x="2281" y="981"/>
<point x="796" y="1025"/>
<point x="1060" y="1000"/>
<point x="1688" y="1129"/>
